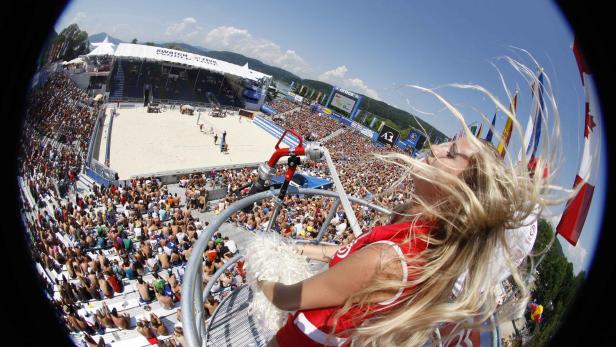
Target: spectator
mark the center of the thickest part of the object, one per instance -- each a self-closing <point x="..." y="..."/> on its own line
<point x="178" y="336"/>
<point x="144" y="290"/>
<point x="158" y="325"/>
<point x="145" y="329"/>
<point x="120" y="321"/>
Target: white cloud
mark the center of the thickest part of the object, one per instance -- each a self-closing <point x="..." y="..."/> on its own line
<point x="79" y="18"/>
<point x="335" y="74"/>
<point x="338" y="77"/>
<point x="553" y="219"/>
<point x="122" y="29"/>
<point x="576" y="255"/>
<point x="186" y="29"/>
<point x="241" y="41"/>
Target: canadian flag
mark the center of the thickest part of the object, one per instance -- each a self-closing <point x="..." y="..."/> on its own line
<point x="574" y="215"/>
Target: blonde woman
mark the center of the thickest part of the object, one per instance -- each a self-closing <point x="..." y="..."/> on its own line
<point x="393" y="286"/>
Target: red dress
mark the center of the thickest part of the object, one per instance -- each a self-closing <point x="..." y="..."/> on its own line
<point x="311" y="327"/>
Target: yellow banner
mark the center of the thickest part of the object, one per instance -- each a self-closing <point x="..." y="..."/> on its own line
<point x="506" y="136"/>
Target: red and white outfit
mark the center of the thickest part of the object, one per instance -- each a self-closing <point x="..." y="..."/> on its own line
<point x="312" y="327"/>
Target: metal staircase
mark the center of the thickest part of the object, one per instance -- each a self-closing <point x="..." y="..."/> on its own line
<point x="117" y="86"/>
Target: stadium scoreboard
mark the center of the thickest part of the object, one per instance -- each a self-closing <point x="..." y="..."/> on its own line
<point x="344" y="102"/>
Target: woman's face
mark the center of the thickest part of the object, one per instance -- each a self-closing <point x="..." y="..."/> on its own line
<point x="451" y="157"/>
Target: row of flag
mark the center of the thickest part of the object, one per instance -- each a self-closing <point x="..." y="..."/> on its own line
<point x="576" y="210"/>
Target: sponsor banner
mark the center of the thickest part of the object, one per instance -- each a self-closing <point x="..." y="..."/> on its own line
<point x="348" y="93"/>
<point x="333" y="116"/>
<point x="413" y="137"/>
<point x="366" y="132"/>
<point x="326" y="110"/>
<point x="401" y="144"/>
<point x="344" y="120"/>
<point x="388" y="135"/>
<point x="316" y="108"/>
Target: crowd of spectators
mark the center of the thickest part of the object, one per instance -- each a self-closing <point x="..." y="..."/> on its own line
<point x="97" y="245"/>
<point x="62" y="111"/>
<point x="283" y="105"/>
<point x="362" y="175"/>
<point x="116" y="236"/>
<point x="58" y="123"/>
<point x="308" y="124"/>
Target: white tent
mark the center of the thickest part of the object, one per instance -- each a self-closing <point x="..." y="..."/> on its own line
<point x="129" y="50"/>
<point x="77" y="60"/>
<point x="102" y="48"/>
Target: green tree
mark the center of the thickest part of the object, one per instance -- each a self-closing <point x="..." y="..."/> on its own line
<point x="134" y="41"/>
<point x="175" y="46"/>
<point x="555" y="286"/>
<point x="76" y="39"/>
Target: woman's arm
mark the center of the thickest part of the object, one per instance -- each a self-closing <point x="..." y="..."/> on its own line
<point x="317" y="252"/>
<point x="334" y="286"/>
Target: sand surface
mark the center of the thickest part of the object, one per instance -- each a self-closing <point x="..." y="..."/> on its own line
<point x="143" y="143"/>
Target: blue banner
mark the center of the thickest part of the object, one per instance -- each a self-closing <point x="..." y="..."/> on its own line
<point x="267" y="109"/>
<point x="97" y="178"/>
<point x="344" y="120"/>
<point x="401" y="144"/>
<point x="365" y="131"/>
<point x="304" y="181"/>
<point x="316" y="108"/>
<point x="252" y="94"/>
<point x="413" y="137"/>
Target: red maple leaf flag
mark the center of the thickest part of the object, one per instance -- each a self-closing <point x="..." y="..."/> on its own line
<point x="574" y="215"/>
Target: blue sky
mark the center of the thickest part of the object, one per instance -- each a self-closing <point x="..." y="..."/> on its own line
<point x="376" y="48"/>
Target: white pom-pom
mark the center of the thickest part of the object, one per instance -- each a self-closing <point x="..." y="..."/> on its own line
<point x="269" y="258"/>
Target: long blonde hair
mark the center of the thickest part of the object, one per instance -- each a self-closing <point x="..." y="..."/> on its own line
<point x="490" y="196"/>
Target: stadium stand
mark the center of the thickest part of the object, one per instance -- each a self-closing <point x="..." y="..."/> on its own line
<point x="111" y="256"/>
<point x="93" y="247"/>
<point x="130" y="79"/>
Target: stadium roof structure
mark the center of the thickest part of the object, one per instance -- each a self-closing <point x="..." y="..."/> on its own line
<point x="129" y="50"/>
